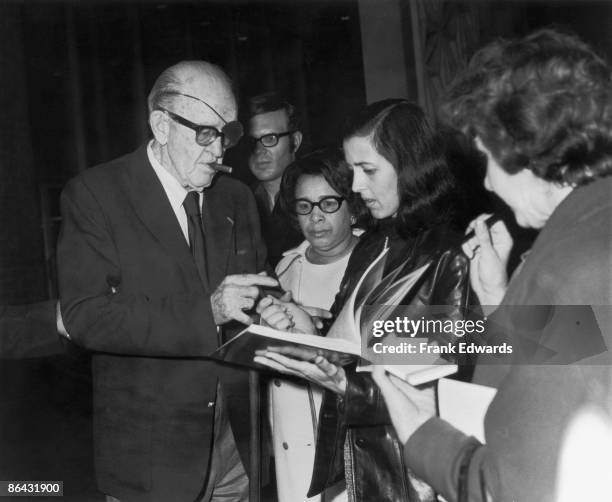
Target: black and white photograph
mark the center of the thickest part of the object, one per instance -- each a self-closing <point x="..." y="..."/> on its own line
<point x="306" y="250"/>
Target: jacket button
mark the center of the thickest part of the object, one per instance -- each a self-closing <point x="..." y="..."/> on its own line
<point x="361" y="442"/>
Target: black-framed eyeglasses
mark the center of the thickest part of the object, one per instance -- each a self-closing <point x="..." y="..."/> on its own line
<point x="268" y="140"/>
<point x="329" y="204"/>
<point x="230" y="133"/>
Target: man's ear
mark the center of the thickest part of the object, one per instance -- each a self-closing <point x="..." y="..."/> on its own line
<point x="160" y="126"/>
<point x="296" y="140"/>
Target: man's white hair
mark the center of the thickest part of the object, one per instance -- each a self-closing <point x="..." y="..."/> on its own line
<point x="177" y="78"/>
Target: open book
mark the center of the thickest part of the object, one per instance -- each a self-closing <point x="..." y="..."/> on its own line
<point x="374" y="298"/>
<point x="342" y="343"/>
<point x="241" y="349"/>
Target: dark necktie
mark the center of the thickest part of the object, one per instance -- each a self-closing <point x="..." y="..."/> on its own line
<point x="196" y="234"/>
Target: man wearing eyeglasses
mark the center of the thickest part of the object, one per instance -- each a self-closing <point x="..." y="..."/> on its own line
<point x="274" y="139"/>
<point x="158" y="252"/>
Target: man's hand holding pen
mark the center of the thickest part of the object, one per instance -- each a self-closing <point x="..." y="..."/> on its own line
<point x="237" y="294"/>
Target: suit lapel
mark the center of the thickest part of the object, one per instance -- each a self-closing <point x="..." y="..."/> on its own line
<point x="153" y="208"/>
<point x="219" y="230"/>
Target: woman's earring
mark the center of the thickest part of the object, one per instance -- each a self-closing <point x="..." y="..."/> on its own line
<point x="353" y="220"/>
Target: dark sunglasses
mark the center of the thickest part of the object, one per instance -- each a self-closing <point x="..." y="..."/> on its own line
<point x="329" y="205"/>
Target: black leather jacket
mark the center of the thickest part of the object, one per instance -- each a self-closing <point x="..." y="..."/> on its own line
<point x="355" y="436"/>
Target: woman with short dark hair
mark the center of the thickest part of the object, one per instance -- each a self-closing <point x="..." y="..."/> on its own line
<point x="316" y="191"/>
<point x="329" y="164"/>
<point x="540" y="111"/>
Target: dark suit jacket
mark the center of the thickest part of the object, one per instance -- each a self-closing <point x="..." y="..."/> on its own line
<point x="280" y="232"/>
<point x="152" y="383"/>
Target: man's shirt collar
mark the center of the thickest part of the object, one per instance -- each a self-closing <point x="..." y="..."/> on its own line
<point x="174" y="190"/>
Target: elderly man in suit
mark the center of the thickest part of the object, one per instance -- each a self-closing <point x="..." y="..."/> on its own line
<point x="157" y="253"/>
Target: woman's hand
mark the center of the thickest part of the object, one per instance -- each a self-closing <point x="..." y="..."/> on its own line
<point x="489" y="251"/>
<point x="317" y="315"/>
<point x="285" y="315"/>
<point x="408" y="407"/>
<point x="304" y="363"/>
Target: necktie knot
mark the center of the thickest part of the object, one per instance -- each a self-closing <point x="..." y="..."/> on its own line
<point x="192" y="204"/>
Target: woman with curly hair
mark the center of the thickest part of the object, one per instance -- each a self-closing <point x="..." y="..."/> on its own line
<point x="540" y="111"/>
<point x="316" y="191"/>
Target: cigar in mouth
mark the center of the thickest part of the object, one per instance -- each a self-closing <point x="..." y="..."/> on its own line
<point x="221" y="168"/>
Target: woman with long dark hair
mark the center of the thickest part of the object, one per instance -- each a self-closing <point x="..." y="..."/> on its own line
<point x="400" y="172"/>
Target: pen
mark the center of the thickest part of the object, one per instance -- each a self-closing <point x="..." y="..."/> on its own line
<point x="275" y="291"/>
<point x="490" y="221"/>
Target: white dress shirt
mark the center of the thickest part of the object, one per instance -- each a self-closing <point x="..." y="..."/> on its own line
<point x="174" y="190"/>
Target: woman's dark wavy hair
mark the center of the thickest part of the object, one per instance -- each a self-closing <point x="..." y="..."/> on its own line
<point x="543" y="102"/>
<point x="400" y="132"/>
<point x="328" y="163"/>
